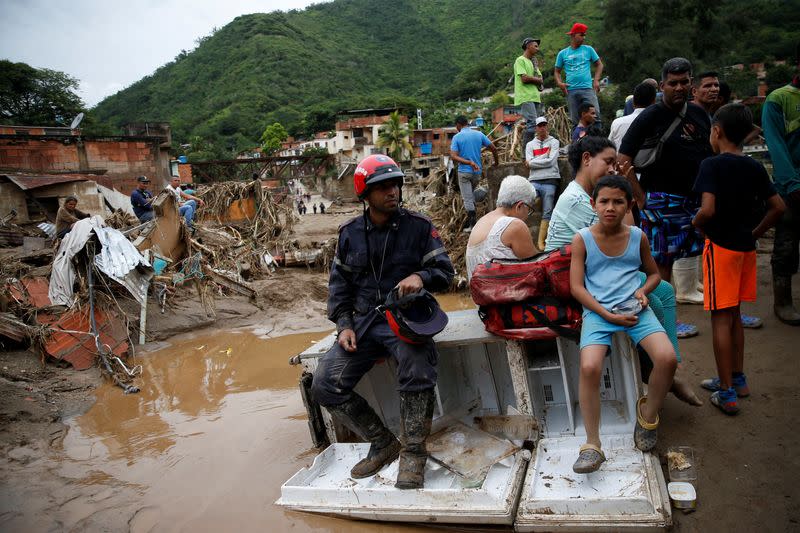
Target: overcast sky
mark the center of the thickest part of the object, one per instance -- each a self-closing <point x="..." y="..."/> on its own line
<point x="108" y="45"/>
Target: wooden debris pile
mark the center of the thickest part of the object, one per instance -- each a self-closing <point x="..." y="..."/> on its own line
<point x="243" y="228"/>
<point x="445" y="208"/>
<point x="509" y="146"/>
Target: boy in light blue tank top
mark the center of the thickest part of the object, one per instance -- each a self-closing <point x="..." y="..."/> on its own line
<point x="606" y="258"/>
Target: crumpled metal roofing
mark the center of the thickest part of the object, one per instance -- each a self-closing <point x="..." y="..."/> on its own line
<point x="71" y="339"/>
<point x="27" y="182"/>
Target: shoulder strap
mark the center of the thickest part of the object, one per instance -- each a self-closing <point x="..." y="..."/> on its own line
<point x="674" y="124"/>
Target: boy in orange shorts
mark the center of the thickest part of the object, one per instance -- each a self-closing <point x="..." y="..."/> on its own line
<point x="734" y="188"/>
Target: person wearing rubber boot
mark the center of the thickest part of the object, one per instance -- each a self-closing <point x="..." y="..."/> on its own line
<point x="385" y="248"/>
<point x="465" y="149"/>
<point x="781" y="121"/>
<point x="603" y="286"/>
<point x="664" y="193"/>
<point x="541" y="155"/>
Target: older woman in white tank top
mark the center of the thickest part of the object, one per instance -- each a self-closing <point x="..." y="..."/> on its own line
<point x="503" y="233"/>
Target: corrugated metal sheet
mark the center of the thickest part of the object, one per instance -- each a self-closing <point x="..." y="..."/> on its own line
<point x="34" y="293"/>
<point x="27" y="182"/>
<point x="71" y="341"/>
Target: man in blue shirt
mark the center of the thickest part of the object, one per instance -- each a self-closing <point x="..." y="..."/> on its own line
<point x="576" y="61"/>
<point x="465" y="150"/>
<point x="142" y="200"/>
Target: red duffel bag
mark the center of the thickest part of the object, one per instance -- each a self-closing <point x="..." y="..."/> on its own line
<point x="538" y="318"/>
<point x="502" y="281"/>
<point x="528" y="298"/>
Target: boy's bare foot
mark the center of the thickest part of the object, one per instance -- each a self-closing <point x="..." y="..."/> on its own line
<point x="684" y="392"/>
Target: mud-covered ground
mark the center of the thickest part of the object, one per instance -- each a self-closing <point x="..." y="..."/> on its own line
<point x="143" y="470"/>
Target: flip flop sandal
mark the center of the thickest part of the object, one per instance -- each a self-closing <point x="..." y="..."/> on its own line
<point x="589" y="459"/>
<point x="645" y="436"/>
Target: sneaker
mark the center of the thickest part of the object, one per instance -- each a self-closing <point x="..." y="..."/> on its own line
<point x="726" y="401"/>
<point x="749" y="321"/>
<point x="739" y="385"/>
<point x="686" y="330"/>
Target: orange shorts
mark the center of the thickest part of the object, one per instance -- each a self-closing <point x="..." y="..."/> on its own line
<point x="730" y="277"/>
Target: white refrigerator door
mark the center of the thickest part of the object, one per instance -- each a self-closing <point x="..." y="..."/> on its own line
<point x="326" y="487"/>
<point x="625" y="494"/>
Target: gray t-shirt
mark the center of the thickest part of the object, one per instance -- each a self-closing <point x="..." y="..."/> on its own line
<point x="572" y="212"/>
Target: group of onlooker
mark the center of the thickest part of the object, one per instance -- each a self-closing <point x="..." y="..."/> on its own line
<point x="669" y="186"/>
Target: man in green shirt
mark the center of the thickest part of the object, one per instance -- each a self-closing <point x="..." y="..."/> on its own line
<point x="527" y="84"/>
<point x="780" y="117"/>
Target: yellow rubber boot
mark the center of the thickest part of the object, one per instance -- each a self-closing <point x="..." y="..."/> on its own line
<point x="543" y="225"/>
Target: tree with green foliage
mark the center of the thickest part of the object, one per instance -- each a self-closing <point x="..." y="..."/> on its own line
<point x="393" y="135"/>
<point x="499" y="98"/>
<point x="273" y="136"/>
<point x="300" y="68"/>
<point x="37" y="97"/>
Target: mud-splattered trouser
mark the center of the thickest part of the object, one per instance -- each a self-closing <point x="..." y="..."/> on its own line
<point x="339" y="371"/>
<point x="470" y="192"/>
<point x="786" y="250"/>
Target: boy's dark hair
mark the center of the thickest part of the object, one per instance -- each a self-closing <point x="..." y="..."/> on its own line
<point x="644" y="94"/>
<point x="585" y="106"/>
<point x="590" y="143"/>
<point x="697" y="80"/>
<point x="676" y="65"/>
<point x="735" y="121"/>
<point x="461" y="120"/>
<point x="612" y="181"/>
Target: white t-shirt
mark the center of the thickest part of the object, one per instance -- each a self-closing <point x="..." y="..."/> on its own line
<point x="176" y="192"/>
<point x="620" y="127"/>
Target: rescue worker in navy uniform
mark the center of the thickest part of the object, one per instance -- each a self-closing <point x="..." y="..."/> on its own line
<point x="385" y="248"/>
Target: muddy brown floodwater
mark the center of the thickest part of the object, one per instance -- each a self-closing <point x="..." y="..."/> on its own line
<point x="217" y="428"/>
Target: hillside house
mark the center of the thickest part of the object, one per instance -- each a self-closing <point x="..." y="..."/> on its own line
<point x="432" y="141"/>
<point x="357" y="133"/>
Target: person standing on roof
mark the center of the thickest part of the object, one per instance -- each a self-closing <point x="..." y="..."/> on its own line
<point x="142" y="200"/>
<point x="528" y="82"/>
<point x="781" y="120"/>
<point x="68" y="214"/>
<point x="465" y="149"/>
<point x="387" y="248"/>
<point x="576" y="62"/>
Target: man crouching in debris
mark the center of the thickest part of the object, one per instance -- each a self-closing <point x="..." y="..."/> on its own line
<point x="386" y="248"/>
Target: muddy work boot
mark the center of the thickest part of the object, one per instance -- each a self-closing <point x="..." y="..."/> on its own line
<point x="359" y="417"/>
<point x="784" y="307"/>
<point x="416" y="413"/>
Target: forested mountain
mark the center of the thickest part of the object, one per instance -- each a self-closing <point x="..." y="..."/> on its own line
<point x="299" y="68"/>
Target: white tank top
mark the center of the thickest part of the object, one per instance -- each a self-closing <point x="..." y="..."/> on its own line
<point x="491" y="247"/>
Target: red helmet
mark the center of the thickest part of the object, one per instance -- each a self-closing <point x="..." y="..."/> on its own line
<point x="373" y="169"/>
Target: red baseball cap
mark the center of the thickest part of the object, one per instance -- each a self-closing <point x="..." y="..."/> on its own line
<point x="578" y="28"/>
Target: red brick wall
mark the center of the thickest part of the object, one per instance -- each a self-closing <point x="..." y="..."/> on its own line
<point x="122" y="160"/>
<point x="185" y="172"/>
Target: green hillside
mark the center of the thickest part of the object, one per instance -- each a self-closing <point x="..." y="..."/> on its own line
<point x="299" y="68"/>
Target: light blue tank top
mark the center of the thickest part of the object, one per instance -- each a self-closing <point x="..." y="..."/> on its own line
<point x="612" y="280"/>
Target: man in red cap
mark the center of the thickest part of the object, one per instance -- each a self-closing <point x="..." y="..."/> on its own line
<point x="576" y="62"/>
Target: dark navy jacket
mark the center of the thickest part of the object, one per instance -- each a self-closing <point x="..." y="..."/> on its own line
<point x="357" y="285"/>
<point x="139" y="201"/>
